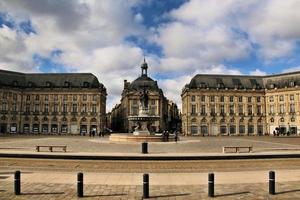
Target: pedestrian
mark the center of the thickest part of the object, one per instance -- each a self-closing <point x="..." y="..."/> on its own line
<point x="94" y="132"/>
<point x="167" y="136"/>
<point x="176" y="135"/>
<point x="163" y="136"/>
<point x="90" y="133"/>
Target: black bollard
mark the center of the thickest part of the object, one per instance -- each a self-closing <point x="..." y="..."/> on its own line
<point x="17" y="182"/>
<point x="271" y="182"/>
<point x="144" y="147"/>
<point x="211" y="185"/>
<point x="80" y="184"/>
<point x="146" y="186"/>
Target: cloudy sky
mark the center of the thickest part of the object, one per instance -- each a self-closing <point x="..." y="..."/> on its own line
<point x="179" y="39"/>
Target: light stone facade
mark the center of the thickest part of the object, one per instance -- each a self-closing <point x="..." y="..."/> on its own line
<point x="241" y="105"/>
<point x="130" y="101"/>
<point x="51" y="103"/>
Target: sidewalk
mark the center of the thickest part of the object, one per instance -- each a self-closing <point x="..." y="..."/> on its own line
<point x="190" y="186"/>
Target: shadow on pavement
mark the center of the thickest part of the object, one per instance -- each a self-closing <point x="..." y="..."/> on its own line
<point x="170" y="195"/>
<point x="288" y="191"/>
<point x="41" y="193"/>
<point x="232" y="194"/>
<point x="103" y="195"/>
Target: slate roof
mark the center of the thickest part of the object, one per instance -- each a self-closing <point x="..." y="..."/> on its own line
<point x="144" y="81"/>
<point x="54" y="80"/>
<point x="244" y="82"/>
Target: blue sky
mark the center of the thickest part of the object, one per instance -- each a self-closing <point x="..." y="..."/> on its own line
<point x="179" y="38"/>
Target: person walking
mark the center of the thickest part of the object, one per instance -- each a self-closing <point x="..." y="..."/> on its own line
<point x="176" y="135"/>
<point x="167" y="136"/>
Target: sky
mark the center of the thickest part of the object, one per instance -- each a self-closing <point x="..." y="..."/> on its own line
<point x="179" y="39"/>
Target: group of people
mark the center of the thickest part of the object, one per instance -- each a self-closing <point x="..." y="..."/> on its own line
<point x="166" y="136"/>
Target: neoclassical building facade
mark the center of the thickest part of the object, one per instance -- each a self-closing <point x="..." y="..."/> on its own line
<point x="51" y="103"/>
<point x="241" y="105"/>
<point x="159" y="105"/>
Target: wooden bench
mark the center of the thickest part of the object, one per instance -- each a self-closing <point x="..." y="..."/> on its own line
<point x="51" y="147"/>
<point x="238" y="149"/>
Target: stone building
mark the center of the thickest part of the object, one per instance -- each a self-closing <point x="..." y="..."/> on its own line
<point x="130" y="100"/>
<point x="50" y="103"/>
<point x="241" y="105"/>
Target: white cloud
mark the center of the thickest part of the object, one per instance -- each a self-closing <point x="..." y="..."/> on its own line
<point x="291" y="69"/>
<point x="258" y="72"/>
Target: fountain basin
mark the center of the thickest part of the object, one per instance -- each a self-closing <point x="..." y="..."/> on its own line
<point x="137" y="138"/>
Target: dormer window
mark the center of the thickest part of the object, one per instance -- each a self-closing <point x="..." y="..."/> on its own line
<point x="15" y="83"/>
<point x="202" y="85"/>
<point x="86" y="84"/>
<point x="220" y="85"/>
<point x="272" y="86"/>
<point x="48" y="84"/>
<point x="67" y="84"/>
<point x="30" y="84"/>
<point x="292" y="84"/>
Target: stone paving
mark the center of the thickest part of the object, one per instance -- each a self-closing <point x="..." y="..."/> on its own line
<point x="77" y="144"/>
<point x="50" y="191"/>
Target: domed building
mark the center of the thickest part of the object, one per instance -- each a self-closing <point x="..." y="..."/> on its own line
<point x="130" y="100"/>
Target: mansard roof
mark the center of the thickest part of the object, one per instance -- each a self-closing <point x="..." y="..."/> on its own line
<point x="219" y="81"/>
<point x="24" y="80"/>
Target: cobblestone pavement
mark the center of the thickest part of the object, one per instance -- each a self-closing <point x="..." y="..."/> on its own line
<point x="38" y="191"/>
<point x="186" y="145"/>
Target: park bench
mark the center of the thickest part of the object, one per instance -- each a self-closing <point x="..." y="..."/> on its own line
<point x="51" y="147"/>
<point x="237" y="149"/>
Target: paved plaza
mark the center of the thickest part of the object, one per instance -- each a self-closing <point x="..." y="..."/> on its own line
<point x="235" y="179"/>
<point x="80" y="144"/>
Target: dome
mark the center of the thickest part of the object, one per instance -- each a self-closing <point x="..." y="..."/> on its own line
<point x="143" y="81"/>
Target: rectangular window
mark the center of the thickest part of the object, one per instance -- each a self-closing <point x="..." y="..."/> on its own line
<point x="15" y="97"/>
<point x="65" y="107"/>
<point x="46" y="97"/>
<point x="84" y="108"/>
<point x="193" y="109"/>
<point x="27" y="97"/>
<point x="249" y="99"/>
<point x="250" y="110"/>
<point x="232" y="129"/>
<point x="94" y="97"/>
<point x="271" y="99"/>
<point x="37" y="108"/>
<point x="250" y="129"/>
<point x="258" y="99"/>
<point x="4" y="95"/>
<point x="281" y="107"/>
<point x="242" y="129"/>
<point x="212" y="98"/>
<point x="222" y="109"/>
<point x="152" y="110"/>
<point x="194" y="130"/>
<point x="14" y="107"/>
<point x="240" y="99"/>
<point x="231" y="109"/>
<point x="74" y="97"/>
<point x="193" y="98"/>
<point x="27" y="108"/>
<point x="55" y="108"/>
<point x="292" y="108"/>
<point x="272" y="109"/>
<point x="292" y="97"/>
<point x="134" y="110"/>
<point x="46" y="108"/>
<point x="204" y="130"/>
<point x="203" y="110"/>
<point x="74" y="107"/>
<point x="223" y="130"/>
<point x="281" y="98"/>
<point x="153" y="102"/>
<point x="231" y="98"/>
<point x="202" y="98"/>
<point x="259" y="109"/>
<point x="94" y="108"/>
<point x="65" y="97"/>
<point x="241" y="110"/>
<point x="84" y="97"/>
<point x="222" y="99"/>
<point x="212" y="109"/>
<point x="55" y="97"/>
<point x="37" y="97"/>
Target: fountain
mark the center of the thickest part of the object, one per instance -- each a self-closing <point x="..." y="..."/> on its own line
<point x="143" y="120"/>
